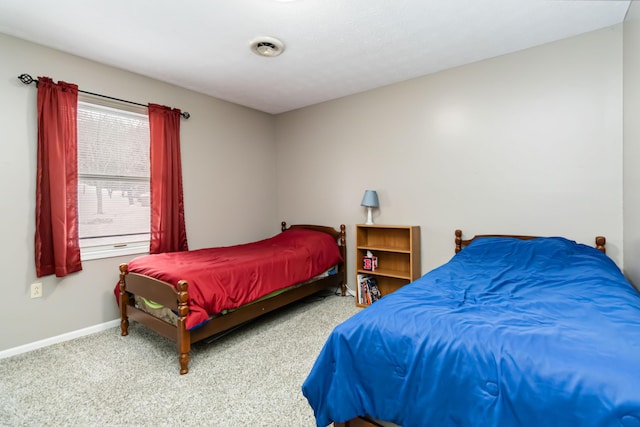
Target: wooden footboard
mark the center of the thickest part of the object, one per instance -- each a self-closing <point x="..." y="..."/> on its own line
<point x="359" y="422"/>
<point x="176" y="299"/>
<point x="164" y="293"/>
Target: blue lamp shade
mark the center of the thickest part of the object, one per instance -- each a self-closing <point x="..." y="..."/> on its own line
<point x="370" y="199"/>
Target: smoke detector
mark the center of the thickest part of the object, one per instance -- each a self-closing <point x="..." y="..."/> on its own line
<point x="267" y="46"/>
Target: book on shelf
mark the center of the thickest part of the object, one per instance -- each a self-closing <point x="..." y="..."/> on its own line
<point x="368" y="291"/>
<point x="361" y="288"/>
<point x="374" y="291"/>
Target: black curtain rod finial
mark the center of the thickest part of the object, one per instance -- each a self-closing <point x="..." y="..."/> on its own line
<point x="27" y="79"/>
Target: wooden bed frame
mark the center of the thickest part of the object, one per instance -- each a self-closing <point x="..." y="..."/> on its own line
<point x="176" y="298"/>
<point x="359" y="422"/>
<point x="600" y="241"/>
<point x="460" y="243"/>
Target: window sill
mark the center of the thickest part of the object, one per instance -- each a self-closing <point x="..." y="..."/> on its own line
<point x="109" y="251"/>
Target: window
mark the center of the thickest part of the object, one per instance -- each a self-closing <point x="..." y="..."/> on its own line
<point x="113" y="180"/>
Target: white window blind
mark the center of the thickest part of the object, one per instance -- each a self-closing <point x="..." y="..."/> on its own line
<point x="113" y="181"/>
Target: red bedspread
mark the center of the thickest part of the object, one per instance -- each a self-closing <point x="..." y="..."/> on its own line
<point x="227" y="277"/>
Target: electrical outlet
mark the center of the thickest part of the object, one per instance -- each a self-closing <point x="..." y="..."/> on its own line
<point x="36" y="290"/>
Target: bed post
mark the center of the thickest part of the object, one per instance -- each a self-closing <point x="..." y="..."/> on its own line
<point x="184" y="335"/>
<point x="343" y="249"/>
<point x="601" y="241"/>
<point x="458" y="240"/>
<point x="124" y="301"/>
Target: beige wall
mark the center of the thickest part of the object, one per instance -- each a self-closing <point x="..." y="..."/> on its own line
<point x="527" y="143"/>
<point x="632" y="144"/>
<point x="229" y="179"/>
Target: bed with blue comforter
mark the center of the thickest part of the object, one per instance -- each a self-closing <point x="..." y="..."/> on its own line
<point x="542" y="332"/>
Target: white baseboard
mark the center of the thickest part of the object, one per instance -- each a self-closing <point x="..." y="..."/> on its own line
<point x="350" y="291"/>
<point x="58" y="339"/>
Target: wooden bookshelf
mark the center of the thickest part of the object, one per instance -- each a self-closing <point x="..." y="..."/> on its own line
<point x="397" y="248"/>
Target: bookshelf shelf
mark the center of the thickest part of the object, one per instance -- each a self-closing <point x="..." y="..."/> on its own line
<point x="397" y="248"/>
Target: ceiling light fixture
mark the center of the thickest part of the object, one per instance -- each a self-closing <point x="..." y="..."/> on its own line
<point x="267" y="46"/>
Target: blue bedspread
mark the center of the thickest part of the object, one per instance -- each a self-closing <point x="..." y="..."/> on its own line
<point x="543" y="332"/>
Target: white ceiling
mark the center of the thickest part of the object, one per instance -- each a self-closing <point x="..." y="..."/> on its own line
<point x="333" y="48"/>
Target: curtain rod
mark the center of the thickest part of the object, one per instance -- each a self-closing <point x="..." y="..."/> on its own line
<point x="27" y="79"/>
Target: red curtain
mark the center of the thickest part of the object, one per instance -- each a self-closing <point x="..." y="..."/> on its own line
<point x="168" y="231"/>
<point x="57" y="248"/>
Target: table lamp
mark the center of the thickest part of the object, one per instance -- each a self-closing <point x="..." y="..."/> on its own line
<point x="370" y="201"/>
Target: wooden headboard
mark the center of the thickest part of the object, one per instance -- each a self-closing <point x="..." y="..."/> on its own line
<point x="600" y="241"/>
<point x="341" y="240"/>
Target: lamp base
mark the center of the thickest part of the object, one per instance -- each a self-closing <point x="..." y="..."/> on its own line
<point x="369" y="216"/>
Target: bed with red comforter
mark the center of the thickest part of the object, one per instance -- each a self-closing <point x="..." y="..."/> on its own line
<point x="212" y="290"/>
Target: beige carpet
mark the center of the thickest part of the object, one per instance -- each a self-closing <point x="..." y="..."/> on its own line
<point x="251" y="377"/>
